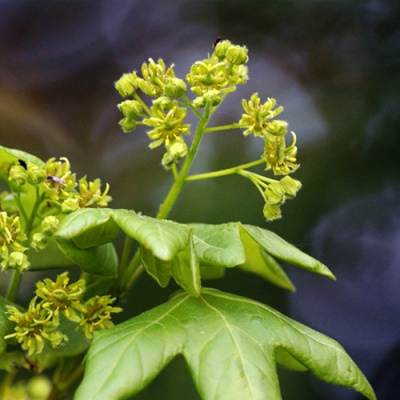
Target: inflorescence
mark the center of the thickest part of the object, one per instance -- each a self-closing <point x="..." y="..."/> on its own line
<point x="57" y="302"/>
<point x="57" y="193"/>
<point x="211" y="80"/>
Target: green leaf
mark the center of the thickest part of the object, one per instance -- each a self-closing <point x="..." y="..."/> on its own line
<point x="183" y="267"/>
<point x="100" y="260"/>
<point x="219" y="244"/>
<point x="84" y="237"/>
<point x="168" y="251"/>
<point x="164" y="238"/>
<point x="97" y="285"/>
<point x="229" y="342"/>
<point x="259" y="262"/>
<point x="279" y="248"/>
<point x="6" y="326"/>
<point x="88" y="227"/>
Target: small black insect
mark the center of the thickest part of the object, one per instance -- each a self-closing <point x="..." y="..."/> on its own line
<point x="216" y="41"/>
<point x="22" y="163"/>
<point x="56" y="179"/>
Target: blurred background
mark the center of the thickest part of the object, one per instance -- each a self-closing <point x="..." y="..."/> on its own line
<point x="333" y="65"/>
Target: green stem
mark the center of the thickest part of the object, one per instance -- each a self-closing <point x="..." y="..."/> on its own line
<point x="174" y="171"/>
<point x="189" y="104"/>
<point x="131" y="270"/>
<point x="17" y="198"/>
<point x="135" y="268"/>
<point x="181" y="179"/>
<point x="14" y="285"/>
<point x="253" y="176"/>
<point x="125" y="256"/>
<point x="16" y="276"/>
<point x="29" y="225"/>
<point x="224" y="172"/>
<point x="137" y="97"/>
<point x="222" y="128"/>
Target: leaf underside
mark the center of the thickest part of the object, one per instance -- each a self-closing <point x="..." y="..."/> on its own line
<point x="181" y="251"/>
<point x="231" y="345"/>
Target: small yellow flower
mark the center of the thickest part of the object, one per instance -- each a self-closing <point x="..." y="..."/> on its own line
<point x="127" y="84"/>
<point x="206" y="75"/>
<point x="34" y="327"/>
<point x="17" y="174"/>
<point x="167" y="124"/>
<point x="11" y="239"/>
<point x="279" y="157"/>
<point x="90" y="195"/>
<point x="155" y="77"/>
<point x="60" y="296"/>
<point x="60" y="181"/>
<point x="49" y="225"/>
<point x="257" y="117"/>
<point x="97" y="315"/>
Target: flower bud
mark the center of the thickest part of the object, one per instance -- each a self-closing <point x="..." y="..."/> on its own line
<point x="271" y="212"/>
<point x="36" y="174"/>
<point x="127" y="84"/>
<point x="39" y="241"/>
<point x="49" y="225"/>
<point x="221" y="48"/>
<point x="277" y="127"/>
<point x="131" y="109"/>
<point x="70" y="205"/>
<point x="164" y="103"/>
<point x="199" y="102"/>
<point x="274" y="193"/>
<point x="175" y="152"/>
<point x="237" y="55"/>
<point x="17" y="174"/>
<point x="175" y="88"/>
<point x="291" y="186"/>
<point x="17" y="260"/>
<point x="127" y="124"/>
<point x="213" y="97"/>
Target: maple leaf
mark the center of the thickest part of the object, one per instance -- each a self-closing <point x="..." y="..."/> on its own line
<point x="231" y="345"/>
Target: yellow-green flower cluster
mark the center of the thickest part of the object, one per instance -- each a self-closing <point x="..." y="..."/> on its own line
<point x="96" y="315"/>
<point x="41" y="323"/>
<point x="90" y="195"/>
<point x="60" y="296"/>
<point x="211" y="79"/>
<point x="276" y="193"/>
<point x="59" y="186"/>
<point x="259" y="119"/>
<point x="33" y="327"/>
<point x="165" y="117"/>
<point x="56" y="192"/>
<point x="12" y="238"/>
<point x="167" y="123"/>
<point x="157" y="80"/>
